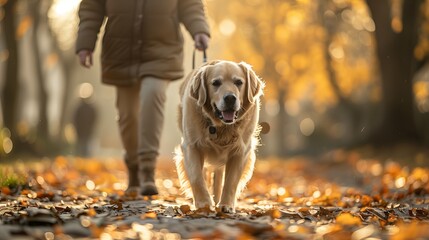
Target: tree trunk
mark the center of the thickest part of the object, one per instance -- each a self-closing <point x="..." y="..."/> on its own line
<point x="10" y="91"/>
<point x="397" y="67"/>
<point x="345" y="105"/>
<point x="42" y="130"/>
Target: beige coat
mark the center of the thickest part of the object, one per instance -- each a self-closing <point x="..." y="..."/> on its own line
<point x="142" y="37"/>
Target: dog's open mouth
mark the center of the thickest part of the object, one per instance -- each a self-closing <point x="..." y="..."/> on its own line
<point x="227" y="116"/>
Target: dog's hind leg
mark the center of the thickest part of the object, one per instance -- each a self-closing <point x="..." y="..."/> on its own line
<point x="247" y="172"/>
<point x="183" y="178"/>
<point x="218" y="177"/>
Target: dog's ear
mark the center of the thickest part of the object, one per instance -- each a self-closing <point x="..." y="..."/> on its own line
<point x="198" y="86"/>
<point x="254" y="85"/>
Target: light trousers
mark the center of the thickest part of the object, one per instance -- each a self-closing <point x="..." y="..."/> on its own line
<point x="141" y="118"/>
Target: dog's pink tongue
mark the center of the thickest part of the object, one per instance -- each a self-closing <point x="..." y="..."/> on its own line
<point x="228" y="115"/>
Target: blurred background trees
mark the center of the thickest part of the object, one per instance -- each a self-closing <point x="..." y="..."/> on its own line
<point x="37" y="57"/>
<point x="396" y="34"/>
<point x="339" y="73"/>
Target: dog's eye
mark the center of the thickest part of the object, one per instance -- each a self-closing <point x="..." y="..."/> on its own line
<point x="238" y="83"/>
<point x="216" y="83"/>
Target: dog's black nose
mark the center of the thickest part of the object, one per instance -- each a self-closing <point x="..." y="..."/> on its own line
<point x="229" y="100"/>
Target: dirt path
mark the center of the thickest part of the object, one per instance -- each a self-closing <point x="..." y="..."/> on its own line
<point x="344" y="197"/>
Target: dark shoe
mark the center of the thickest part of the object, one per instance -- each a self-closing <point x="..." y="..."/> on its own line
<point x="133" y="181"/>
<point x="133" y="178"/>
<point x="148" y="189"/>
<point x="146" y="176"/>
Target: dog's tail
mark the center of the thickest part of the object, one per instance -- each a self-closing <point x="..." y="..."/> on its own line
<point x="181" y="173"/>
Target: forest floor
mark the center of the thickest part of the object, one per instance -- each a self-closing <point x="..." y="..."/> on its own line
<point x="359" y="194"/>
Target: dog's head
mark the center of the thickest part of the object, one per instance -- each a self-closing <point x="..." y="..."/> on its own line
<point x="226" y="90"/>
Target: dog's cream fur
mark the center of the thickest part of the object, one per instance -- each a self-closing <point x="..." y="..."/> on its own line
<point x="230" y="152"/>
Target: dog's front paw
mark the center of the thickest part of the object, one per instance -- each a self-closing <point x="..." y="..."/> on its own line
<point x="227" y="209"/>
<point x="204" y="205"/>
<point x="205" y="210"/>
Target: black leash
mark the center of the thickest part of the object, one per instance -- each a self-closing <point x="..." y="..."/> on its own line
<point x="212" y="129"/>
<point x="193" y="58"/>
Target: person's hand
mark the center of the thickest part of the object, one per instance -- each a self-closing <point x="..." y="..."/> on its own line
<point x="85" y="58"/>
<point x="201" y="41"/>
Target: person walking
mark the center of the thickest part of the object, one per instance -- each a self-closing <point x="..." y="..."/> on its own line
<point x="142" y="52"/>
<point x="84" y="120"/>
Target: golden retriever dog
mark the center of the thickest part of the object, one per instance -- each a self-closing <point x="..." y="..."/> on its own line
<point x="218" y="118"/>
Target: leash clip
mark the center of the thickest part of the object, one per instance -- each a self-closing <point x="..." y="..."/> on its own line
<point x="212" y="132"/>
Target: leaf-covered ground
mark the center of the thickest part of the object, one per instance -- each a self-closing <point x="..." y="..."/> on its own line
<point x="340" y="195"/>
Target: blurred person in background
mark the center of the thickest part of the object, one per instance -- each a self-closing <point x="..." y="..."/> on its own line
<point x="84" y="120"/>
<point x="142" y="52"/>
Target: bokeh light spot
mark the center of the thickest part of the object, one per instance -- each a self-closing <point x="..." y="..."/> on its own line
<point x="227" y="27"/>
<point x="307" y="127"/>
<point x="86" y="90"/>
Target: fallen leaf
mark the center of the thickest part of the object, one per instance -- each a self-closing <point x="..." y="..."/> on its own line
<point x="185" y="209"/>
<point x="347" y="219"/>
<point x="150" y="215"/>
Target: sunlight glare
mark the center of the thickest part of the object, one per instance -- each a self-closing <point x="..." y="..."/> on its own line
<point x="400" y="182"/>
<point x="227" y="27"/>
<point x="419" y="174"/>
<point x="49" y="236"/>
<point x="292" y="108"/>
<point x="142" y="230"/>
<point x="40" y="180"/>
<point x="281" y="191"/>
<point x="5" y="133"/>
<point x="369" y="24"/>
<point x="63" y="19"/>
<point x="336" y="51"/>
<point x="364" y="232"/>
<point x="317" y="194"/>
<point x="86" y="90"/>
<point x="119" y="186"/>
<point x="167" y="183"/>
<point x="272" y="107"/>
<point x="273" y="191"/>
<point x="283" y="68"/>
<point x="7" y="145"/>
<point x="323" y="229"/>
<point x="90" y="185"/>
<point x="347" y="15"/>
<point x="63" y="7"/>
<point x="376" y="169"/>
<point x="106" y="236"/>
<point x="293" y="229"/>
<point x="85" y="221"/>
<point x="307" y="127"/>
<point x="295" y="18"/>
<point x="392" y="230"/>
<point x="70" y="133"/>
